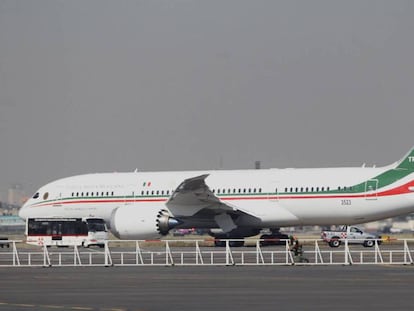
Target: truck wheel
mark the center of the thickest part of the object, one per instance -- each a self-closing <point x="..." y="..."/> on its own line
<point x="369" y="243"/>
<point x="334" y="242"/>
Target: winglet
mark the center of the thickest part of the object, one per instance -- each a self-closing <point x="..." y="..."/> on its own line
<point x="407" y="163"/>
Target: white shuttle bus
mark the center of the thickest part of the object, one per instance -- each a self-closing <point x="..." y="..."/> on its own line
<point x="63" y="232"/>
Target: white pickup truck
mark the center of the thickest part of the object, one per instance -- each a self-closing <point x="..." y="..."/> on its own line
<point x="354" y="236"/>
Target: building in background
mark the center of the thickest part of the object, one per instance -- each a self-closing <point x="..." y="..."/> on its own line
<point x="15" y="195"/>
<point x="12" y="201"/>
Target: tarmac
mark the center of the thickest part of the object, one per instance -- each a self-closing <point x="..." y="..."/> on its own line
<point x="208" y="288"/>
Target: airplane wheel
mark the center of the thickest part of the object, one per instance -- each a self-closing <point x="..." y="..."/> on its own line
<point x="218" y="243"/>
<point x="236" y="243"/>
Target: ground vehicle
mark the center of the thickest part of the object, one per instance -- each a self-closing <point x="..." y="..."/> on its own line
<point x="354" y="236"/>
<point x="4" y="243"/>
<point x="66" y="231"/>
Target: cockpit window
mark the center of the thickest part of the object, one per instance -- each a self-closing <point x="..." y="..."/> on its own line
<point x="46" y="195"/>
<point x="36" y="195"/>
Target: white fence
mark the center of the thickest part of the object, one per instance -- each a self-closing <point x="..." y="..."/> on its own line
<point x="202" y="252"/>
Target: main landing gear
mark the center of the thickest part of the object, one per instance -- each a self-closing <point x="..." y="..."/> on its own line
<point x="274" y="238"/>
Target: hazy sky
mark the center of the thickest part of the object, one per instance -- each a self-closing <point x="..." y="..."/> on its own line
<point x="97" y="86"/>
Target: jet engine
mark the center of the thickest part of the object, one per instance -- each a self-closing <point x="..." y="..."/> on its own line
<point x="143" y="222"/>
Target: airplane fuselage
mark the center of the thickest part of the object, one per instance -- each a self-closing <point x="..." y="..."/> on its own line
<point x="266" y="198"/>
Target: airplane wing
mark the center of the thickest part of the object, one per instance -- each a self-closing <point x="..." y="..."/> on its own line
<point x="193" y="195"/>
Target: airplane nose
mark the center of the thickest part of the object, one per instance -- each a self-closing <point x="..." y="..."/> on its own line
<point x="23" y="212"/>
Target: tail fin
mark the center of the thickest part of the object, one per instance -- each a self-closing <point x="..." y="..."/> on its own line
<point x="407" y="163"/>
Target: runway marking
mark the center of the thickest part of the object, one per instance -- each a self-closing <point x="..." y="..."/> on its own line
<point x="56" y="307"/>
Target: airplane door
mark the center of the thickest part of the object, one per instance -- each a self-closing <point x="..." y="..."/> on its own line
<point x="273" y="194"/>
<point x="371" y="187"/>
<point x="126" y="199"/>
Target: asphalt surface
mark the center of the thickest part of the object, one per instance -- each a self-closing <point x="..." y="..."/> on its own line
<point x="208" y="288"/>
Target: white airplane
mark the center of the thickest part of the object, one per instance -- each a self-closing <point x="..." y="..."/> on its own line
<point x="145" y="205"/>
